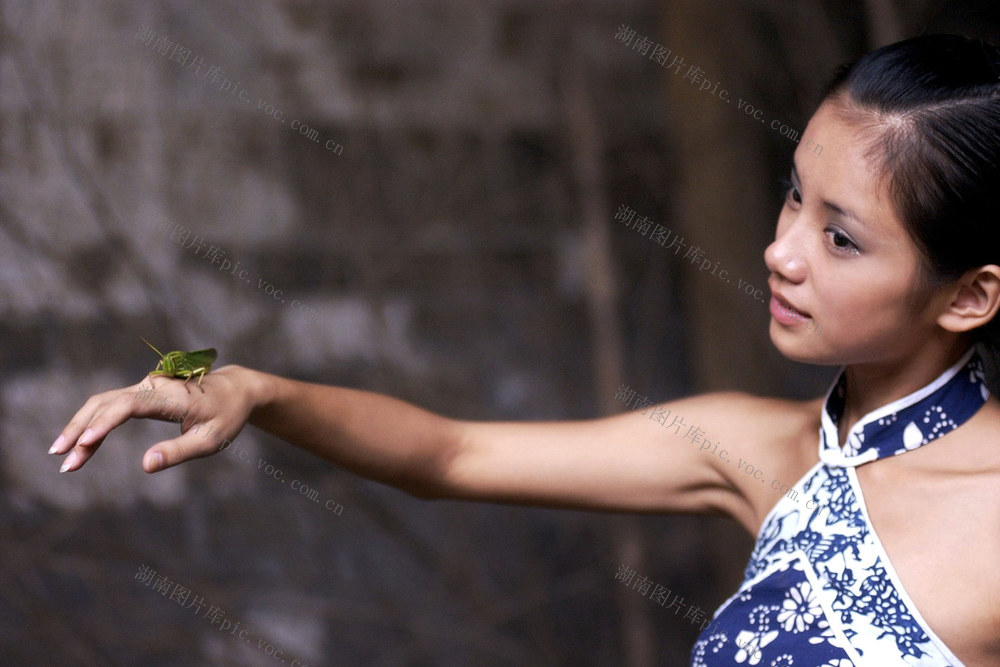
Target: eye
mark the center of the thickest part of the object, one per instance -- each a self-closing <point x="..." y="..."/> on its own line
<point x="841" y="241"/>
<point x="792" y="193"/>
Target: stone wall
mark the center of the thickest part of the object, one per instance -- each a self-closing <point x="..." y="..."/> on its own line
<point x="377" y="195"/>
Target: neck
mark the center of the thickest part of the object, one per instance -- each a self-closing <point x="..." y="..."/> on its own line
<point x="872" y="385"/>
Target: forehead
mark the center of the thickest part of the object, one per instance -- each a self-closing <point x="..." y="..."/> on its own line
<point x="849" y="173"/>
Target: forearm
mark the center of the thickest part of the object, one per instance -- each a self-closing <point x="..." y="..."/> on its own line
<point x="370" y="434"/>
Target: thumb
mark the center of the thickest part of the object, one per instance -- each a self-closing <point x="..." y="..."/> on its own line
<point x="183" y="448"/>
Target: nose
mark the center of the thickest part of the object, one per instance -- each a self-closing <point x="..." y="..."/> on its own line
<point x="785" y="256"/>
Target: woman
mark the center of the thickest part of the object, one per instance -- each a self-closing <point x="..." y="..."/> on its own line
<point x="886" y="552"/>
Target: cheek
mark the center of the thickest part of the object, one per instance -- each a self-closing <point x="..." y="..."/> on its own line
<point x="868" y="302"/>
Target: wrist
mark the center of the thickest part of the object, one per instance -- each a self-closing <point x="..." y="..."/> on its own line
<point x="261" y="390"/>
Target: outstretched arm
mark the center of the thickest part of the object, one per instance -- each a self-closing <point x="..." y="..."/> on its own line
<point x="626" y="462"/>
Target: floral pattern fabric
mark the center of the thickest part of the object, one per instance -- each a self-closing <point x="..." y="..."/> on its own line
<point x="819" y="589"/>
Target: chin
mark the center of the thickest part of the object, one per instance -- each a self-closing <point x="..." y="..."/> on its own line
<point x="801" y="345"/>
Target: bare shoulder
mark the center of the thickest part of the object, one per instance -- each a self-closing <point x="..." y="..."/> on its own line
<point x="757" y="413"/>
<point x="764" y="446"/>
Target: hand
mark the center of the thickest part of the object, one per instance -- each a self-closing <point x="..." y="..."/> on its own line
<point x="208" y="421"/>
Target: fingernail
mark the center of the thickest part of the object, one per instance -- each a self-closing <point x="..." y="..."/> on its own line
<point x="155" y="461"/>
<point x="57" y="444"/>
<point x="69" y="462"/>
<point x="85" y="438"/>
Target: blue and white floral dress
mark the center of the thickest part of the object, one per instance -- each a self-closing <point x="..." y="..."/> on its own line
<point x="819" y="590"/>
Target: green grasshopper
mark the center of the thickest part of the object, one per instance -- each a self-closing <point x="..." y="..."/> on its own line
<point x="179" y="364"/>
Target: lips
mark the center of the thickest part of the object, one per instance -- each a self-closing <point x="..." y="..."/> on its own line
<point x="784" y="312"/>
<point x="787" y="307"/>
<point x="783" y="302"/>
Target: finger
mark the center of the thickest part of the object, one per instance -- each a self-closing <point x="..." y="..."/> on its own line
<point x="183" y="448"/>
<point x="91" y="425"/>
<point x="112" y="413"/>
<point x="76" y="431"/>
<point x="79" y="455"/>
<point x="61" y="444"/>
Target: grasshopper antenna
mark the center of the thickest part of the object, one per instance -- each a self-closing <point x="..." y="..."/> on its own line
<point x="151" y="345"/>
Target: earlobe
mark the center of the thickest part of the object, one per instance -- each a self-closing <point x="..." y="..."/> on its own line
<point x="975" y="300"/>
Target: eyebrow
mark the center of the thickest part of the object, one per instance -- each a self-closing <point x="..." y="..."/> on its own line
<point x="830" y="206"/>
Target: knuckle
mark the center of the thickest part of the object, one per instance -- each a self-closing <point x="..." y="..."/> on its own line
<point x="91" y="403"/>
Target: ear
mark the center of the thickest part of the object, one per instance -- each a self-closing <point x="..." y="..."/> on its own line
<point x="974" y="300"/>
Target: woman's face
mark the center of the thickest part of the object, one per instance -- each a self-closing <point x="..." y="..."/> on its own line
<point x="844" y="271"/>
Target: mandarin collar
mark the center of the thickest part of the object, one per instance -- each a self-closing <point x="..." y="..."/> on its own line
<point x="907" y="423"/>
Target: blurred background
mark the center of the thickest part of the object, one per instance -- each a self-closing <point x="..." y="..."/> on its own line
<point x="414" y="198"/>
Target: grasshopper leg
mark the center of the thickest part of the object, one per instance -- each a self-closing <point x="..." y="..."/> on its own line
<point x="200" y="372"/>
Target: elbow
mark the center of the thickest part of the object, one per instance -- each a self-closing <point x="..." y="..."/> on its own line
<point x="429" y="477"/>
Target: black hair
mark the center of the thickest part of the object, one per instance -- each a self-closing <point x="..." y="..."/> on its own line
<point x="934" y="102"/>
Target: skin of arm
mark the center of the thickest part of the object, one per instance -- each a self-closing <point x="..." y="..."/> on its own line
<point x="623" y="462"/>
<point x="626" y="462"/>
